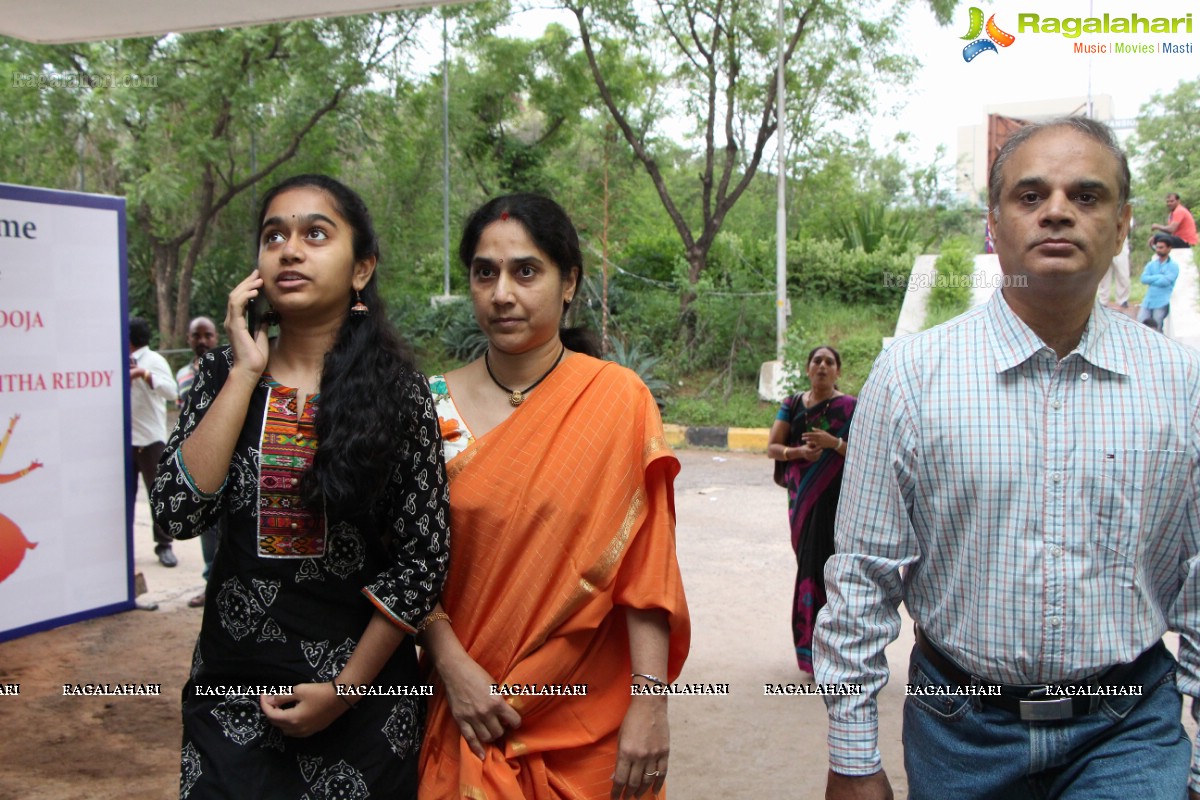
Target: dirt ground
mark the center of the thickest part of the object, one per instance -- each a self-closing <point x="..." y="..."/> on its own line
<point x="68" y="748"/>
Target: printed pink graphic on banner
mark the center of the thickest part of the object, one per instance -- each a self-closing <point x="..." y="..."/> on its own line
<point x="13" y="543"/>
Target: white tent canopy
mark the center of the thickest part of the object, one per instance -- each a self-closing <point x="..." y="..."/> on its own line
<point x="62" y="21"/>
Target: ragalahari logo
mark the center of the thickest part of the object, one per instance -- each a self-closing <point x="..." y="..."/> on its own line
<point x="995" y="36"/>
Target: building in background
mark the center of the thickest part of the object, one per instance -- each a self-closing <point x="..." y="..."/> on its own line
<point x="977" y="144"/>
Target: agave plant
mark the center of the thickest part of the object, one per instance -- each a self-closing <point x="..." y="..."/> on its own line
<point x="873" y="223"/>
<point x="642" y="363"/>
<point x="461" y="337"/>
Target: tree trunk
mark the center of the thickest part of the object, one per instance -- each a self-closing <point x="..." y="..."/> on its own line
<point x="183" y="293"/>
<point x="165" y="264"/>
<point x="697" y="258"/>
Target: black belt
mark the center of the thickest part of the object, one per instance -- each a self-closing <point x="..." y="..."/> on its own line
<point x="1031" y="703"/>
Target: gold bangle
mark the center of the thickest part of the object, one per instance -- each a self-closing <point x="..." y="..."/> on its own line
<point x="432" y="618"/>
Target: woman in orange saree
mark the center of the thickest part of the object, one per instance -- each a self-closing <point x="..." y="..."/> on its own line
<point x="564" y="595"/>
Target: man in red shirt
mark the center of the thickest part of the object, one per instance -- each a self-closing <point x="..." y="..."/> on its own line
<point x="1180" y="230"/>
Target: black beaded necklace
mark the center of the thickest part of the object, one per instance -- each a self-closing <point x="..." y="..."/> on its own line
<point x="517" y="396"/>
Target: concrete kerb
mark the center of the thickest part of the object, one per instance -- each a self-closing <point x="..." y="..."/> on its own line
<point x="746" y="440"/>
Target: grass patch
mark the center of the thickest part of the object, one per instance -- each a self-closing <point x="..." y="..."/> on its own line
<point x="694" y="404"/>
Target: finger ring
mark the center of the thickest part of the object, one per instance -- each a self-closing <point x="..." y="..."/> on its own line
<point x="654" y="774"/>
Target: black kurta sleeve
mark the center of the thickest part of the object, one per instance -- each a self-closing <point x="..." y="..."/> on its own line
<point x="181" y="509"/>
<point x="415" y="515"/>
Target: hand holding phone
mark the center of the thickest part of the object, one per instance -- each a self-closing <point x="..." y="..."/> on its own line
<point x="244" y="327"/>
<point x="254" y="317"/>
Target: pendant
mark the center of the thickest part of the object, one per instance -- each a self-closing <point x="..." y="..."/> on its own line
<point x="516" y="398"/>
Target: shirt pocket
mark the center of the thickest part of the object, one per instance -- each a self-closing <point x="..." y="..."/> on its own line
<point x="1131" y="495"/>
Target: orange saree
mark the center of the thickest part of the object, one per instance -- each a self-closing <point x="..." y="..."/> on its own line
<point x="561" y="517"/>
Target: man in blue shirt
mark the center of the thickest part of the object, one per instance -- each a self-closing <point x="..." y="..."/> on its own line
<point x="1159" y="274"/>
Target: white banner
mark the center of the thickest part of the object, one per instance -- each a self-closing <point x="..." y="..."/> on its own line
<point x="66" y="548"/>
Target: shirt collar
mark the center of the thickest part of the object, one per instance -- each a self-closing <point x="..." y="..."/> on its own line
<point x="1013" y="342"/>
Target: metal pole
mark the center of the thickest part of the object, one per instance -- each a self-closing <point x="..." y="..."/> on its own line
<point x="445" y="156"/>
<point x="781" y="203"/>
<point x="604" y="348"/>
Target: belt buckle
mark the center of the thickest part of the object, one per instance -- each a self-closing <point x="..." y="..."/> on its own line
<point x="1047" y="710"/>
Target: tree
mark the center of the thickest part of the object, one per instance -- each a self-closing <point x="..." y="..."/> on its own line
<point x="227" y="108"/>
<point x="1167" y="146"/>
<point x="722" y="73"/>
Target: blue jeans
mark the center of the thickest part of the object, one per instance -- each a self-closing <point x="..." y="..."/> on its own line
<point x="1129" y="748"/>
<point x="1157" y="314"/>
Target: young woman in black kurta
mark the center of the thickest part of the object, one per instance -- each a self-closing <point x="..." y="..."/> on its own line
<point x="322" y="448"/>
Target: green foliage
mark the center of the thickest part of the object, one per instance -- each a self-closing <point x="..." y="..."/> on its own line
<point x="953" y="270"/>
<point x="720" y="58"/>
<point x="641" y="362"/>
<point x="735" y="334"/>
<point x="851" y="187"/>
<point x="741" y="408"/>
<point x="655" y="254"/>
<point x="212" y="114"/>
<point x="1167" y="144"/>
<point x="828" y="269"/>
<point x="516" y="99"/>
<point x="936" y="315"/>
<point x="443" y="334"/>
<point x="873" y="227"/>
<point x="644" y="315"/>
<point x="856" y="331"/>
<point x="525" y="114"/>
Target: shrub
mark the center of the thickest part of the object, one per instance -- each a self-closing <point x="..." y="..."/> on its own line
<point x="828" y="269"/>
<point x="952" y="277"/>
<point x="741" y="408"/>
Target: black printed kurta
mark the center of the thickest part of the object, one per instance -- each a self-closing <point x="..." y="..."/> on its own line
<point x="283" y="610"/>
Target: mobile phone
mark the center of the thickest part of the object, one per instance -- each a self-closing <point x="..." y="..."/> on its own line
<point x="253" y="316"/>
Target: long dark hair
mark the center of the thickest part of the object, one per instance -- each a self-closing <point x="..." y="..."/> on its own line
<point x="359" y="417"/>
<point x="552" y="231"/>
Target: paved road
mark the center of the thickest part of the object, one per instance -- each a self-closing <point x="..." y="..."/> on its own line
<point x="739" y="569"/>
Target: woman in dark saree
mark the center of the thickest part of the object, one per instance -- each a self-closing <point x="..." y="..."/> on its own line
<point x="808" y="442"/>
